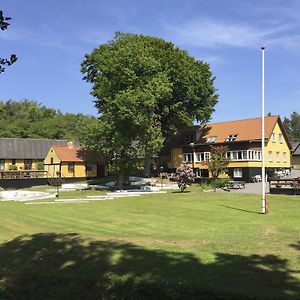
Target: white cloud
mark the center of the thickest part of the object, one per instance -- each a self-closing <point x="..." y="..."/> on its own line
<point x="209" y="33"/>
<point x="213" y="59"/>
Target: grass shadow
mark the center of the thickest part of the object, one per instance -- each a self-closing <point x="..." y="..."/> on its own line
<point x="296" y="245"/>
<point x="241" y="209"/>
<point x="65" y="266"/>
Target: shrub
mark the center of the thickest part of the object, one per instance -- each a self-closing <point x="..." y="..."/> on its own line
<point x="13" y="168"/>
<point x="219" y="183"/>
<point x="184" y="176"/>
<point x="40" y="165"/>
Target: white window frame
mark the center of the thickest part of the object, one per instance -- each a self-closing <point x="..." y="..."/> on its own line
<point x="280" y="138"/>
<point x="284" y="157"/>
<point x="206" y="156"/>
<point x="187" y="157"/>
<point x="270" y="156"/>
<point x="277" y="156"/>
<point x="259" y="155"/>
<point x="273" y="137"/>
<point x="242" y="155"/>
<point x="237" y="173"/>
<point x="211" y="139"/>
<point x="231" y="137"/>
<point x="202" y="156"/>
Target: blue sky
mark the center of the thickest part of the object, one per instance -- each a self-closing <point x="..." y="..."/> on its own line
<point x="50" y="38"/>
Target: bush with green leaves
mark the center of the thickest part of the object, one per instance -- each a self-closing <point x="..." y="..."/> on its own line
<point x="40" y="166"/>
<point x="13" y="167"/>
<point x="184" y="176"/>
<point x="219" y="183"/>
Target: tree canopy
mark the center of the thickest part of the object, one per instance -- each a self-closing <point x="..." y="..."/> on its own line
<point x="145" y="89"/>
<point x="292" y="126"/>
<point x="28" y="119"/>
<point x="13" y="58"/>
<point x="218" y="161"/>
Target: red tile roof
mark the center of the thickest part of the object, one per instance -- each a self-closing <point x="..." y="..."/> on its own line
<point x="66" y="154"/>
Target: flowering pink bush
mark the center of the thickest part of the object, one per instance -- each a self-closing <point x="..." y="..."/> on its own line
<point x="184" y="176"/>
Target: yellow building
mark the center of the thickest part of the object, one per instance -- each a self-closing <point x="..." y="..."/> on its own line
<point x="243" y="140"/>
<point x="21" y="154"/>
<point x="71" y="161"/>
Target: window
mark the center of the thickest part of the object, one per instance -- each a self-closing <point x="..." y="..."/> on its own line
<point x="211" y="139"/>
<point x="71" y="167"/>
<point x="277" y="156"/>
<point x="255" y="155"/>
<point x="244" y="155"/>
<point x="231" y="138"/>
<point x="189" y="138"/>
<point x="234" y="155"/>
<point x="51" y="160"/>
<point x="273" y="137"/>
<point x="259" y="155"/>
<point x="2" y="164"/>
<point x="270" y="156"/>
<point x="237" y="173"/>
<point x="202" y="156"/>
<point x="187" y="157"/>
<point x="27" y="164"/>
<point x="280" y="138"/>
<point x="284" y="156"/>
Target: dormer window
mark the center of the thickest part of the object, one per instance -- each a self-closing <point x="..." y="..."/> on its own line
<point x="189" y="138"/>
<point x="211" y="139"/>
<point x="273" y="137"/>
<point x="231" y="138"/>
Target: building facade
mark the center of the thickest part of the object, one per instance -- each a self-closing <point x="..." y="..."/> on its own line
<point x="72" y="161"/>
<point x="295" y="161"/>
<point x="193" y="146"/>
<point x="20" y="154"/>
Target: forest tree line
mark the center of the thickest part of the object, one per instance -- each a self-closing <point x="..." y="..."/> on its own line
<point x="29" y="119"/>
<point x="292" y="126"/>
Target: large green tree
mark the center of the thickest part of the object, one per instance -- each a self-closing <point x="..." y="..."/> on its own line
<point x="292" y="125"/>
<point x="13" y="58"/>
<point x="146" y="88"/>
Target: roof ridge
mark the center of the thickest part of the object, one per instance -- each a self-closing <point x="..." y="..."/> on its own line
<point x="247" y="119"/>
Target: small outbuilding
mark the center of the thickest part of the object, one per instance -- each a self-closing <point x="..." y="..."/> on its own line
<point x="74" y="161"/>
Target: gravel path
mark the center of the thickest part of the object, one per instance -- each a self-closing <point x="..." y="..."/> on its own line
<point x="250" y="188"/>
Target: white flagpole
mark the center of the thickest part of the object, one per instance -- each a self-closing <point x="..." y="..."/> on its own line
<point x="263" y="175"/>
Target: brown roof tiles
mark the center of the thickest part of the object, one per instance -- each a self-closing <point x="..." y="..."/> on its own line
<point x="247" y="129"/>
<point x="67" y="154"/>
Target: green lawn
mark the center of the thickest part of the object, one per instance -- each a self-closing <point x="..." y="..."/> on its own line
<point x="190" y="245"/>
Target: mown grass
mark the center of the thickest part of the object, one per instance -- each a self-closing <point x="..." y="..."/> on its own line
<point x="190" y="245"/>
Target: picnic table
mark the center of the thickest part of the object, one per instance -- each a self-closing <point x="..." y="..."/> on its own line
<point x="235" y="184"/>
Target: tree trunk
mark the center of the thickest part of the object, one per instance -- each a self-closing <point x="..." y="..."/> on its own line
<point x="120" y="180"/>
<point x="147" y="166"/>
